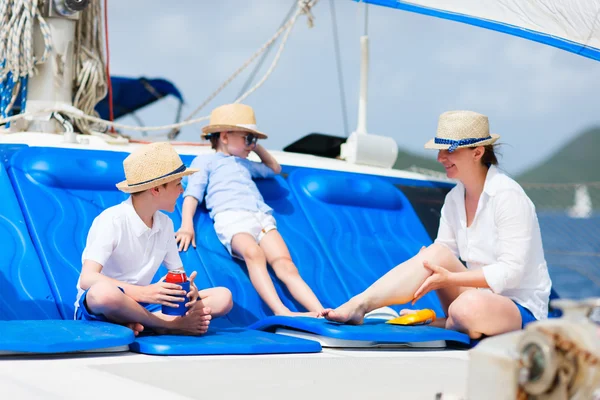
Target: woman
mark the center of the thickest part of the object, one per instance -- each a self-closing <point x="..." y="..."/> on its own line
<point x="487" y="221"/>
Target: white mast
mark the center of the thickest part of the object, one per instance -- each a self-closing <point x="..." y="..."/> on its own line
<point x="362" y="147"/>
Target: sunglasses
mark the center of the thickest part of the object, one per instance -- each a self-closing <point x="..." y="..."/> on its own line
<point x="250" y="139"/>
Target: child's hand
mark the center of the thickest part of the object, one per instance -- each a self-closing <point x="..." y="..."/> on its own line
<point x="184" y="236"/>
<point x="193" y="293"/>
<point x="167" y="294"/>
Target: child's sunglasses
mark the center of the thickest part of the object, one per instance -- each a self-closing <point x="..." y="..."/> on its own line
<point x="250" y="139"/>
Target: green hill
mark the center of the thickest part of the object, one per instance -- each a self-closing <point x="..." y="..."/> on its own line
<point x="578" y="161"/>
<point x="552" y="183"/>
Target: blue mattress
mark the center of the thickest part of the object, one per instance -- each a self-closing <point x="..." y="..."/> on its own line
<point x="371" y="331"/>
<point x="343" y="230"/>
<point x="61" y="191"/>
<point x="224" y="341"/>
<point x="365" y="224"/>
<point x="24" y="290"/>
<point x="57" y="336"/>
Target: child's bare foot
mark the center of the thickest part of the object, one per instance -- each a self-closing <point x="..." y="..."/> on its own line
<point x="348" y="313"/>
<point x="288" y="313"/>
<point x="135" y="327"/>
<point x="195" y="322"/>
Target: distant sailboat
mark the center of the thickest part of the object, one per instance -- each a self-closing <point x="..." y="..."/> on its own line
<point x="583" y="203"/>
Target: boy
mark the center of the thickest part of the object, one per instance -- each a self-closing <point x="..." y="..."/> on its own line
<point x="242" y="220"/>
<point x="128" y="242"/>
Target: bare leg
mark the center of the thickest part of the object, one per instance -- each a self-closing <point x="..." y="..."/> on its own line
<point x="217" y="299"/>
<point x="399" y="285"/>
<point x="278" y="256"/>
<point x="478" y="312"/>
<point x="106" y="299"/>
<point x="245" y="245"/>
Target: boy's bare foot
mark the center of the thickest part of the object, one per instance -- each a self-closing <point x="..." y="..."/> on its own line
<point x="135" y="327"/>
<point x="348" y="313"/>
<point x="194" y="323"/>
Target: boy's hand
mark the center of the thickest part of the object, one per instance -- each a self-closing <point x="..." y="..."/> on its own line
<point x="193" y="293"/>
<point x="167" y="294"/>
<point x="184" y="236"/>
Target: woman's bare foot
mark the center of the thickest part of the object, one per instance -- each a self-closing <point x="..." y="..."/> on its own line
<point x="351" y="313"/>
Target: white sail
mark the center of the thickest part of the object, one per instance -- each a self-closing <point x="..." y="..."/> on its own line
<point x="572" y="25"/>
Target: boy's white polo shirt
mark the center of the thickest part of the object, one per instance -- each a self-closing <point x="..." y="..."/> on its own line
<point x="127" y="249"/>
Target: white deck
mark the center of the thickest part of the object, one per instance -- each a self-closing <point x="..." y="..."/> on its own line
<point x="331" y="374"/>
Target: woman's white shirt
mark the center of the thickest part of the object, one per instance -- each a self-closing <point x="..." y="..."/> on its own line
<point x="503" y="240"/>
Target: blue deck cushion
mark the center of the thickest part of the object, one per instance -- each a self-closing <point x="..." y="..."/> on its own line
<point x="371" y="330"/>
<point x="61" y="191"/>
<point x="57" y="336"/>
<point x="365" y="224"/>
<point x="224" y="341"/>
<point x="305" y="249"/>
<point x="24" y="291"/>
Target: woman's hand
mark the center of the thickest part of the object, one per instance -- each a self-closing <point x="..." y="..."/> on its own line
<point x="440" y="278"/>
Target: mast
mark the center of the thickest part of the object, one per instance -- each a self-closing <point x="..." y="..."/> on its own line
<point x="362" y="147"/>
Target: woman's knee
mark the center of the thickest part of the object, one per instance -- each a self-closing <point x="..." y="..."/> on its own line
<point x="467" y="309"/>
<point x="104" y="296"/>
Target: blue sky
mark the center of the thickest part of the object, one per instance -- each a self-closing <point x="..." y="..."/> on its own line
<point x="537" y="97"/>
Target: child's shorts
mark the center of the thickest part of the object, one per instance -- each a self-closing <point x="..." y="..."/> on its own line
<point x="82" y="312"/>
<point x="231" y="222"/>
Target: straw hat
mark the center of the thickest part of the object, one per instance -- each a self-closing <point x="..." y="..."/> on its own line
<point x="150" y="166"/>
<point x="232" y="117"/>
<point x="461" y="129"/>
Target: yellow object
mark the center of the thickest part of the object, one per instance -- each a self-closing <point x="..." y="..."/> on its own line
<point x="421" y="317"/>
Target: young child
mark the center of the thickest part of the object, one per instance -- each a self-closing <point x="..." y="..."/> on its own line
<point x="242" y="220"/>
<point x="128" y="242"/>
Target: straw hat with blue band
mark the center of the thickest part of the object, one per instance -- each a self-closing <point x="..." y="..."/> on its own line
<point x="458" y="129"/>
<point x="232" y="117"/>
<point x="150" y="166"/>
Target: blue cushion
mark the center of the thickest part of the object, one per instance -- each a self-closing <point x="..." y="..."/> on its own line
<point x="305" y="249"/>
<point x="372" y="331"/>
<point x="61" y="192"/>
<point x="223" y="341"/>
<point x="365" y="230"/>
<point x="56" y="336"/>
<point x="24" y="291"/>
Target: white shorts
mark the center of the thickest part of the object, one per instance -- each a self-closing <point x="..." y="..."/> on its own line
<point x="230" y="223"/>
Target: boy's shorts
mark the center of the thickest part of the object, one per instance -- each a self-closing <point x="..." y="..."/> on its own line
<point x="82" y="312"/>
<point x="231" y="222"/>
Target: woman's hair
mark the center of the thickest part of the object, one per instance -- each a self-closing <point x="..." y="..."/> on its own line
<point x="489" y="156"/>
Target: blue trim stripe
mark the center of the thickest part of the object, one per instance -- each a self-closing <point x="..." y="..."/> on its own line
<point x="555" y="41"/>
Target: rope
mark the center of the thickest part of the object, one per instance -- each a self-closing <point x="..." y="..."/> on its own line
<point x="17" y="59"/>
<point x="90" y="74"/>
<point x="304" y="7"/>
<point x="91" y="80"/>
